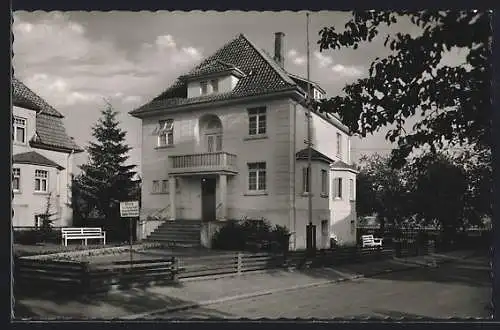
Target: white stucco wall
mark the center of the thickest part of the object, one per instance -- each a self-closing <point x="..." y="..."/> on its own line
<point x="277" y="148"/>
<point x="324" y="138"/>
<point x="27" y="203"/>
<point x="272" y="148"/>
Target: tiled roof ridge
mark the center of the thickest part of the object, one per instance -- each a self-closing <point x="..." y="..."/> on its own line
<point x="35" y="98"/>
<point x="282" y="73"/>
<point x="176" y="94"/>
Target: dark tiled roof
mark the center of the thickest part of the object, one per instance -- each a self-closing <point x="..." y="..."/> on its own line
<point x="24" y="97"/>
<point x="341" y="164"/>
<point x="315" y="155"/>
<point x="34" y="158"/>
<point x="262" y="75"/>
<point x="50" y="132"/>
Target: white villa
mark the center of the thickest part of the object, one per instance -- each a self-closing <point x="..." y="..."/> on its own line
<point x="228" y="140"/>
<point x="42" y="161"/>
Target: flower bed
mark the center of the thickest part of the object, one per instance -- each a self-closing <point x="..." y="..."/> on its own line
<point x="97" y="255"/>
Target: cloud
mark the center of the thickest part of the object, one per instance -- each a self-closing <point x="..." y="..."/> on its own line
<point x="296" y="57"/>
<point x="322" y="60"/>
<point x="58" y="59"/>
<point x="350" y="71"/>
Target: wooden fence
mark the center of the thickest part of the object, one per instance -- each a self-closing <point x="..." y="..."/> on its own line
<point x="83" y="277"/>
<point x="236" y="263"/>
<point x="228" y="263"/>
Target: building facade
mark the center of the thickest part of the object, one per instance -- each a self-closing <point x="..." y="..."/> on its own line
<point x="42" y="162"/>
<point x="228" y="140"/>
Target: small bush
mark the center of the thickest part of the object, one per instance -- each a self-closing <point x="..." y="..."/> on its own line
<point x="35" y="236"/>
<point x="251" y="235"/>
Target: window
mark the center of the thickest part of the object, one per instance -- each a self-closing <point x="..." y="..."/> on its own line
<point x="16" y="179"/>
<point x="257" y="176"/>
<point x="166" y="133"/>
<point x="324" y="182"/>
<point x="215" y="85"/>
<point x="351" y="189"/>
<point x="164" y="186"/>
<point x="339" y="145"/>
<point x="204" y="88"/>
<point x="337" y="188"/>
<point x="305" y="180"/>
<point x="257" y="121"/>
<point x="156" y="186"/>
<point x="19" y="130"/>
<point x="41" y="180"/>
<point x="214" y="142"/>
<point x="38" y="221"/>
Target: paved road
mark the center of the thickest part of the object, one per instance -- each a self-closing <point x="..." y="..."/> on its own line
<point x="460" y="289"/>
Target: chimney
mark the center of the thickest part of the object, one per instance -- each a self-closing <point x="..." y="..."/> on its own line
<point x="279" y="48"/>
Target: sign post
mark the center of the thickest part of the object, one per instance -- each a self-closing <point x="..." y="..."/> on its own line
<point x="130" y="210"/>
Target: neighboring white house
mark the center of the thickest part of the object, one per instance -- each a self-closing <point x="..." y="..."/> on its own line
<point x="228" y="140"/>
<point x="42" y="161"/>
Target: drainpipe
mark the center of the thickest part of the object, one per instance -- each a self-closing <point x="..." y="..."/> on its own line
<point x="294" y="176"/>
<point x="69" y="182"/>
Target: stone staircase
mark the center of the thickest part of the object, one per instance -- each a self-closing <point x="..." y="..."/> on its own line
<point x="179" y="233"/>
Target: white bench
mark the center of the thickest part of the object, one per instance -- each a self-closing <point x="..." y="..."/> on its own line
<point x="82" y="233"/>
<point x="370" y="241"/>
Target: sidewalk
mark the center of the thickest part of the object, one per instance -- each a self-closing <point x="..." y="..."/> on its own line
<point x="137" y="303"/>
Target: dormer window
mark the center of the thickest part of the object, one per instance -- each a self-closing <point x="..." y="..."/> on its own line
<point x="166" y="133"/>
<point x="215" y="85"/>
<point x="204" y="88"/>
<point x="318" y="95"/>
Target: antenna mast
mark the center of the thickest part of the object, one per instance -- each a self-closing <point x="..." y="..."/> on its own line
<point x="309" y="133"/>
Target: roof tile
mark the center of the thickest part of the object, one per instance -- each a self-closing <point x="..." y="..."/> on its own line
<point x="315" y="155"/>
<point x="263" y="75"/>
<point x="50" y="131"/>
<point x="24" y="97"/>
<point x="34" y="158"/>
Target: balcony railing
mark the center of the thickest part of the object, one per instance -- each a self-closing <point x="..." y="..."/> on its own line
<point x="203" y="163"/>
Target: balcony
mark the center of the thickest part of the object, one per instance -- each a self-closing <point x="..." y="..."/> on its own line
<point x="205" y="163"/>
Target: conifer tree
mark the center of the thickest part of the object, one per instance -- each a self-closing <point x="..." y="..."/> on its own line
<point x="106" y="179"/>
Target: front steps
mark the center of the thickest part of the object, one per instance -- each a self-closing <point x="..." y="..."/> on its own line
<point x="179" y="233"/>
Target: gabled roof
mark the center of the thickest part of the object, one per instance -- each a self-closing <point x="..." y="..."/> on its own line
<point x="34" y="158"/>
<point x="315" y="156"/>
<point x="50" y="130"/>
<point x="24" y="97"/>
<point x="342" y="165"/>
<point x="262" y="76"/>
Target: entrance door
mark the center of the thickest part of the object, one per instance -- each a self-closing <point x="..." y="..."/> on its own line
<point x="208" y="199"/>
<point x="324" y="234"/>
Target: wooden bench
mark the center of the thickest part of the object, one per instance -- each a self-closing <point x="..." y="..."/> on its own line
<point x="370" y="241"/>
<point x="83" y="234"/>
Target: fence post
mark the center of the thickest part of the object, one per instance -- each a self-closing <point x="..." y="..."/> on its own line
<point x="85" y="278"/>
<point x="239" y="265"/>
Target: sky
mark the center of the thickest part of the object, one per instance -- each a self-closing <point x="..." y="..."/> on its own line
<point x="77" y="60"/>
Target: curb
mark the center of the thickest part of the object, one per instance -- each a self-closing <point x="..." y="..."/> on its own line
<point x="259" y="294"/>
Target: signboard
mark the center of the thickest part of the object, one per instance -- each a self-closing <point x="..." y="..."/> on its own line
<point x="129" y="209"/>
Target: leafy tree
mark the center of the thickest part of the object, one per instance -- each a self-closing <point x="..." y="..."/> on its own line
<point x="105" y="179"/>
<point x="438" y="194"/>
<point x="451" y="102"/>
<point x="382" y="190"/>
